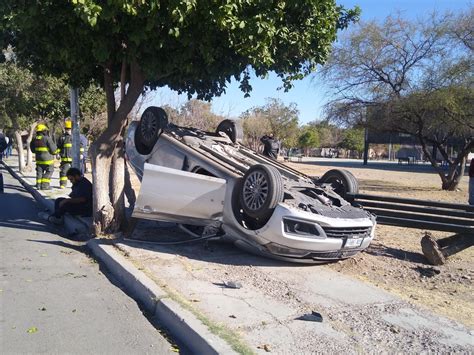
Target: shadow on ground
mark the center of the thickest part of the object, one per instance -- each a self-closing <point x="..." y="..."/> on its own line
<point x="149" y="234"/>
<point x="381" y="250"/>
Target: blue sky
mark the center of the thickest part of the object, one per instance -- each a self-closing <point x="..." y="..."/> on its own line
<point x="310" y="94"/>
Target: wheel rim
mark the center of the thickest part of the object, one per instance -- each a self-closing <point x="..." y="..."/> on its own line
<point x="149" y="127"/>
<point x="255" y="191"/>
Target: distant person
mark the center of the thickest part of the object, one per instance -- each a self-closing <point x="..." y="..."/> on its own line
<point x="270" y="146"/>
<point x="65" y="152"/>
<point x="471" y="182"/>
<point x="3" y="147"/>
<point x="45" y="150"/>
<point x="80" y="201"/>
<point x="9" y="149"/>
<point x="4" y="152"/>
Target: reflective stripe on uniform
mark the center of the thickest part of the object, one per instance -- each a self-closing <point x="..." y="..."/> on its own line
<point x="41" y="149"/>
<point x="67" y="145"/>
<point x="57" y="151"/>
<point x="81" y="149"/>
<point x="45" y="162"/>
<point x="66" y="159"/>
<point x="46" y="180"/>
<point x="63" y="178"/>
<point x="39" y="137"/>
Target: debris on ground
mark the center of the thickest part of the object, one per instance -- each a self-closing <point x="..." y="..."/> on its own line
<point x="311" y="317"/>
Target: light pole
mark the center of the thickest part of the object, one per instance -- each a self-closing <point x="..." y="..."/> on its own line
<point x="76" y="144"/>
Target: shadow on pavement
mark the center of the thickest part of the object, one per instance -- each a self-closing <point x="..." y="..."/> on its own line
<point x="80" y="247"/>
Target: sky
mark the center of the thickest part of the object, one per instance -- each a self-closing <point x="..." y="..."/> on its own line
<point x="310" y="94"/>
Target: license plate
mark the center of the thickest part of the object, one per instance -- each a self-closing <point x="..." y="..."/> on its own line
<point x="353" y="242"/>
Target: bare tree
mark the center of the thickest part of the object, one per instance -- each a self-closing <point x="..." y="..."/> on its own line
<point x="384" y="74"/>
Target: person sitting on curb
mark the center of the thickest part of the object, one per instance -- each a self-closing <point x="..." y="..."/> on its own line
<point x="80" y="201"/>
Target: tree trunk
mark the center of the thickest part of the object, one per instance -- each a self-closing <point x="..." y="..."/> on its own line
<point x="103" y="209"/>
<point x="117" y="183"/>
<point x="108" y="196"/>
<point x="20" y="150"/>
<point x="451" y="180"/>
<point x="29" y="153"/>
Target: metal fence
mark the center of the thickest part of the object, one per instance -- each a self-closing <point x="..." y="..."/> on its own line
<point x="422" y="214"/>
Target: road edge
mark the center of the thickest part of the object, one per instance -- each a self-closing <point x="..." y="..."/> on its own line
<point x="182" y="324"/>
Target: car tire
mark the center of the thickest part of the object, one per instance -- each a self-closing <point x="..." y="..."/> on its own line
<point x="261" y="191"/>
<point x="342" y="181"/>
<point x="153" y="121"/>
<point x="231" y="129"/>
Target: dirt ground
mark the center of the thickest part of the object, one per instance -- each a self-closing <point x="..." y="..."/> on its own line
<point x="394" y="260"/>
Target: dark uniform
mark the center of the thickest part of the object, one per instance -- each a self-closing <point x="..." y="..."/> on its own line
<point x="271" y="147"/>
<point x="44" y="149"/>
<point x="65" y="151"/>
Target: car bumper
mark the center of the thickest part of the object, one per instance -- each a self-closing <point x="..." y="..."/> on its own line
<point x="329" y="239"/>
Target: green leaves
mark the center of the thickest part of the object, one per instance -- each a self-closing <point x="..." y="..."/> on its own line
<point x="192" y="46"/>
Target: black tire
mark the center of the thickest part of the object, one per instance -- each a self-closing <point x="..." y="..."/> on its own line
<point x="153" y="121"/>
<point x="261" y="191"/>
<point x="342" y="181"/>
<point x="232" y="129"/>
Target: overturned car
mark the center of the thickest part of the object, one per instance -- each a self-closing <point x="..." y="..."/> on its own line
<point x="209" y="179"/>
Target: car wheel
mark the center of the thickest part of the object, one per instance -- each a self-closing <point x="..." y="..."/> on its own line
<point x="342" y="181"/>
<point x="153" y="121"/>
<point x="231" y="129"/>
<point x="261" y="191"/>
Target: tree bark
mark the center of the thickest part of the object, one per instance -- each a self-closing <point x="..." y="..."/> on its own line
<point x="117" y="183"/>
<point x="108" y="197"/>
<point x="29" y="153"/>
<point x="20" y="150"/>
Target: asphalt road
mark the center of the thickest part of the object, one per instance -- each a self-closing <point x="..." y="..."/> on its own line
<point x="54" y="298"/>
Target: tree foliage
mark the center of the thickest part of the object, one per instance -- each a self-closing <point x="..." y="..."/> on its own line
<point x="194" y="113"/>
<point x="308" y="138"/>
<point x="353" y="139"/>
<point x="282" y="120"/>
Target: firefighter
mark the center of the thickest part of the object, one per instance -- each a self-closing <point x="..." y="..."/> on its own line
<point x="44" y="149"/>
<point x="65" y="152"/>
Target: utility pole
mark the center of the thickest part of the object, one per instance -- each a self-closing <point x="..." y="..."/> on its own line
<point x="366" y="145"/>
<point x="76" y="144"/>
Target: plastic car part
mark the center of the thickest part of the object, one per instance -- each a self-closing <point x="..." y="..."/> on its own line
<point x="153" y="121"/>
<point x="231" y="129"/>
<point x="262" y="190"/>
<point x="342" y="181"/>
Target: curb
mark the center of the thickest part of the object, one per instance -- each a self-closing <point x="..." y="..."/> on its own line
<point x="73" y="226"/>
<point x="182" y="324"/>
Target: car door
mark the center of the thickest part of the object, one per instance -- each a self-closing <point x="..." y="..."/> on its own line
<point x="173" y="195"/>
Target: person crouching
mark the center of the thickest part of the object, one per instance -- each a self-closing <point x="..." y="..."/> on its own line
<point x="80" y="201"/>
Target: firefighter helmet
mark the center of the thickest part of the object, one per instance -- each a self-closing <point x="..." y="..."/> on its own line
<point x="68" y="124"/>
<point x="41" y="127"/>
